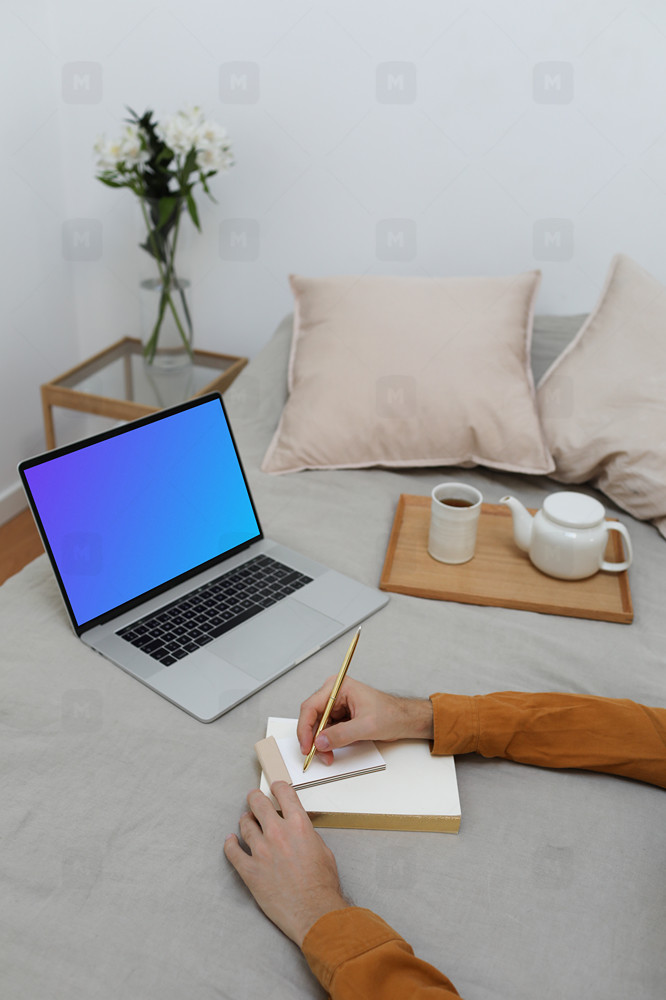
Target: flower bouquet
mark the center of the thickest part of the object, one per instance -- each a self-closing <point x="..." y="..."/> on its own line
<point x="162" y="162"/>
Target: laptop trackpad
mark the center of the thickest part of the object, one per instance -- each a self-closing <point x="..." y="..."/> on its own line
<point x="276" y="639"/>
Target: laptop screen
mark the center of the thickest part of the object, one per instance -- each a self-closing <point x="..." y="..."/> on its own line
<point x="127" y="512"/>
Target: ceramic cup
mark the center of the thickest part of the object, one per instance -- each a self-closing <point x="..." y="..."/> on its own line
<point x="453" y="525"/>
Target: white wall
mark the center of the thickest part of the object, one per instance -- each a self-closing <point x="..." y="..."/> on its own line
<point x="403" y="136"/>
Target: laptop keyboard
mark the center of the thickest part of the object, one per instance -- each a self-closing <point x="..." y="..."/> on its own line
<point x="211" y="610"/>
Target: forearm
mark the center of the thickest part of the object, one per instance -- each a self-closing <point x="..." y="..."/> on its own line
<point x="615" y="736"/>
<point x="355" y="955"/>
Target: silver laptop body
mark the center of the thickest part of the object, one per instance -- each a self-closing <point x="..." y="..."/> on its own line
<point x="102" y="547"/>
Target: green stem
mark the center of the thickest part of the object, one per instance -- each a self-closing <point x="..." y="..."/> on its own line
<point x="166" y="277"/>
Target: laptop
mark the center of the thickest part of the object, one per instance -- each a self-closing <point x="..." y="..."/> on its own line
<point x="156" y="545"/>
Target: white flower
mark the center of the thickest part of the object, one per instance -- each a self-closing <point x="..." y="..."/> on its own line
<point x="213" y="160"/>
<point x="187" y="130"/>
<point x="133" y="143"/>
<point x="213" y="148"/>
<point x="180" y="131"/>
<point x="124" y="152"/>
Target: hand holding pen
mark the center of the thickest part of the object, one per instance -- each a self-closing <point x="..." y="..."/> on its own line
<point x="331" y="699"/>
<point x="361" y="713"/>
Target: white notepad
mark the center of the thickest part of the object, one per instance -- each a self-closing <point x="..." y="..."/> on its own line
<point x="415" y="791"/>
<point x="349" y="762"/>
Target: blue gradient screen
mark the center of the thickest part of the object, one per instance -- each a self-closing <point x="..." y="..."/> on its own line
<point x="131" y="512"/>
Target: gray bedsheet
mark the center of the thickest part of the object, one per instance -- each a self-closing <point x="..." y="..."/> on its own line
<point x="115" y="804"/>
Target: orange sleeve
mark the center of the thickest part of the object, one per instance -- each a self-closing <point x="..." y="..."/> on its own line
<point x="355" y="955"/>
<point x="616" y="736"/>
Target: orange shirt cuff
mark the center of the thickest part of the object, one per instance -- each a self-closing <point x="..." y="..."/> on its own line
<point x="456" y="723"/>
<point x="342" y="935"/>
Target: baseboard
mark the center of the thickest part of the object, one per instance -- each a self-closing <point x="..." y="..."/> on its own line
<point x="12" y="502"/>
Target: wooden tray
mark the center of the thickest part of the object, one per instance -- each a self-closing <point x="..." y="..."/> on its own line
<point x="499" y="575"/>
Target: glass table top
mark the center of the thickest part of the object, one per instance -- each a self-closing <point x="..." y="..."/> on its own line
<point x="121" y="373"/>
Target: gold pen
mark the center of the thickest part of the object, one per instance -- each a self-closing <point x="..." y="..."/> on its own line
<point x="334" y="694"/>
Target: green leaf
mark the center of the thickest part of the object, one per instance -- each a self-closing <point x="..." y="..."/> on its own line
<point x="192" y="209"/>
<point x="111" y="183"/>
<point x="202" y="178"/>
<point x="166" y="210"/>
<point x="190" y="162"/>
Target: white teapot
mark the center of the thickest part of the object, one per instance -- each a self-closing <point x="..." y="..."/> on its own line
<point x="568" y="537"/>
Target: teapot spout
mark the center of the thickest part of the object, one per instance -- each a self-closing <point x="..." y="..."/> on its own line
<point x="522" y="522"/>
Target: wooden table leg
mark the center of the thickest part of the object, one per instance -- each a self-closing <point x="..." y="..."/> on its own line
<point x="47" y="410"/>
<point x="129" y="381"/>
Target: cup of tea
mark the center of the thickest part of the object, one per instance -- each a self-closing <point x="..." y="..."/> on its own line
<point x="454" y="519"/>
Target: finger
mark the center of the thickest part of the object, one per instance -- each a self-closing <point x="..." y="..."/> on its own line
<point x="235" y="854"/>
<point x="342" y="734"/>
<point x="249" y="829"/>
<point x="308" y="721"/>
<point x="311" y="712"/>
<point x="288" y="800"/>
<point x="262" y="808"/>
<point x="313" y="708"/>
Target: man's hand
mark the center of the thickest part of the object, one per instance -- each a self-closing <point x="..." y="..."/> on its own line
<point x="361" y="713"/>
<point x="290" y="871"/>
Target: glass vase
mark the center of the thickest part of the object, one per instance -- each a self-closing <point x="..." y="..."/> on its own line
<point x="166" y="324"/>
<point x="166" y="321"/>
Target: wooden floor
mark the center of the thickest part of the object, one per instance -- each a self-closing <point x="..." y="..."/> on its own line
<point x="19" y="544"/>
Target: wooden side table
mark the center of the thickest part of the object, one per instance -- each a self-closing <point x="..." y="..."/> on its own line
<point x="114" y="384"/>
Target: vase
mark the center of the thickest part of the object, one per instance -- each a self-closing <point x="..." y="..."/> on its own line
<point x="166" y="322"/>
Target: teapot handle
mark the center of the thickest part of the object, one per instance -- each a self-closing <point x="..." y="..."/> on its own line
<point x="617" y="567"/>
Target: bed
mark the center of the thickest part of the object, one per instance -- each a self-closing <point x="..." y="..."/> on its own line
<point x="116" y="804"/>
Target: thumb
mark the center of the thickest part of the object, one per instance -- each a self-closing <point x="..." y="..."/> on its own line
<point x="341" y="735"/>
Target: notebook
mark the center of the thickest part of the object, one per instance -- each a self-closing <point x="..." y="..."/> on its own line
<point x="415" y="791"/>
<point x="155" y="542"/>
<point x="281" y="760"/>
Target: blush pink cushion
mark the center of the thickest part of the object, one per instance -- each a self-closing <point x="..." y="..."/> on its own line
<point x="603" y="401"/>
<point x="411" y="371"/>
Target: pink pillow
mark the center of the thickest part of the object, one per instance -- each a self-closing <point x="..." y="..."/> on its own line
<point x="411" y="372"/>
<point x="603" y="401"/>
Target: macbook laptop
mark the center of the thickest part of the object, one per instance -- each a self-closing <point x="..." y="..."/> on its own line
<point x="156" y="545"/>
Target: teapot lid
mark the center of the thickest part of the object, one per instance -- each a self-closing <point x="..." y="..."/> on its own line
<point x="573" y="510"/>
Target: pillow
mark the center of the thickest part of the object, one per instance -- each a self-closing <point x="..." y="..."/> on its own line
<point x="410" y="371"/>
<point x="603" y="401"/>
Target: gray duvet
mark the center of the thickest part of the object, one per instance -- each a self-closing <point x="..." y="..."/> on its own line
<point x="115" y="804"/>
